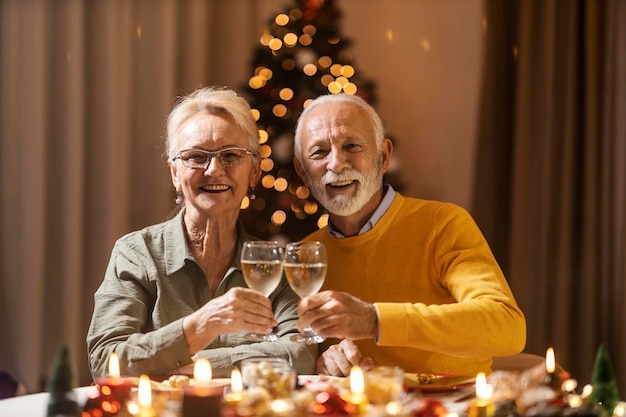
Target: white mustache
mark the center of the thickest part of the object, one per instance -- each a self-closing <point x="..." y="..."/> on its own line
<point x="346" y="175"/>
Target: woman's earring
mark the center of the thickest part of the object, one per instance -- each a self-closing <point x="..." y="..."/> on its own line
<point x="179" y="197"/>
<point x="252" y="195"/>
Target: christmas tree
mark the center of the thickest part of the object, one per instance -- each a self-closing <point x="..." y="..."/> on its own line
<point x="301" y="56"/>
<point x="60" y="385"/>
<point x="605" y="392"/>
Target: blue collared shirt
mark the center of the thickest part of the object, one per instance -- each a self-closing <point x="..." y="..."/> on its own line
<point x="378" y="213"/>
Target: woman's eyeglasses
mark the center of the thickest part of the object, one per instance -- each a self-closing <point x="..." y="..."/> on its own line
<point x="199" y="158"/>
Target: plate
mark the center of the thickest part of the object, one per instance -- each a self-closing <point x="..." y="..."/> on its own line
<point x="438" y="382"/>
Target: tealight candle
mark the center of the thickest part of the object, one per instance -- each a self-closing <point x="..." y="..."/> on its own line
<point x="482" y="406"/>
<point x="203" y="397"/>
<point x="357" y="396"/>
<point x="144" y="398"/>
<point x="114" y="385"/>
<point x="236" y="388"/>
<point x="202" y="372"/>
<point x="552" y="380"/>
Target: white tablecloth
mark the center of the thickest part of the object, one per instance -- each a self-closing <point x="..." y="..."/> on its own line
<point x="36" y="405"/>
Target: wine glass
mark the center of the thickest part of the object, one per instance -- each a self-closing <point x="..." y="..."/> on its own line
<point x="305" y="269"/>
<point x="262" y="268"/>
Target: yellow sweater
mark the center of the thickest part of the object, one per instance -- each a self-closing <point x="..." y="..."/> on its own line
<point x="444" y="305"/>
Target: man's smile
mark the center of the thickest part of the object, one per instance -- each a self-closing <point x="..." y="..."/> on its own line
<point x="341" y="183"/>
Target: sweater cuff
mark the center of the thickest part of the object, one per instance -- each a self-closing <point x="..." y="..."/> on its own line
<point x="392" y="324"/>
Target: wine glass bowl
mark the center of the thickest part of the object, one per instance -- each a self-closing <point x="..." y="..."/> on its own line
<point x="305" y="269"/>
<point x="262" y="269"/>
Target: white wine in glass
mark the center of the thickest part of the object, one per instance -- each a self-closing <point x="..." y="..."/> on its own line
<point x="305" y="269"/>
<point x="262" y="268"/>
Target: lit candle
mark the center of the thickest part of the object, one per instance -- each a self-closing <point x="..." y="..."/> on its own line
<point x="204" y="396"/>
<point x="114" y="385"/>
<point x="114" y="365"/>
<point x="202" y="372"/>
<point x="550" y="361"/>
<point x="357" y="395"/>
<point x="236" y="388"/>
<point x="552" y="380"/>
<point x="144" y="397"/>
<point x="482" y="406"/>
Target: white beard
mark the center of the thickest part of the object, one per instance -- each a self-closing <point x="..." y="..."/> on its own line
<point x="345" y="205"/>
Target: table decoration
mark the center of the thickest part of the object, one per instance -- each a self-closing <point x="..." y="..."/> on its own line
<point x="356" y="396"/>
<point x="234" y="395"/>
<point x="114" y="385"/>
<point x="483" y="405"/>
<point x="268" y="392"/>
<point x="552" y="379"/>
<point x="605" y="390"/>
<point x="203" y="396"/>
<point x="62" y="401"/>
<point x="143" y="406"/>
<point x="274" y="375"/>
<point x="384" y="385"/>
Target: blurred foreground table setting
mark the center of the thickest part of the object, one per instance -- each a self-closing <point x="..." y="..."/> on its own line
<point x="526" y="385"/>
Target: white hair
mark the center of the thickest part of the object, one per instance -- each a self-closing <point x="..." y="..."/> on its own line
<point x="374" y="118"/>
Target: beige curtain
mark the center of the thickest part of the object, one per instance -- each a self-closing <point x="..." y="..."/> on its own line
<point x="551" y="177"/>
<point x="84" y="90"/>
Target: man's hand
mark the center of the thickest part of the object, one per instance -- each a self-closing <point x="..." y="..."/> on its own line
<point x="338" y="314"/>
<point x="339" y="359"/>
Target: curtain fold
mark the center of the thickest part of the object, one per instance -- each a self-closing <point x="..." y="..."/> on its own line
<point x="560" y="229"/>
<point x="86" y="86"/>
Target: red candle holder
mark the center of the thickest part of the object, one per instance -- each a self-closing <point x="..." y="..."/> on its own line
<point x="118" y="388"/>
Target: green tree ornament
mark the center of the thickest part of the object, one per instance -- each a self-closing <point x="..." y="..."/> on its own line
<point x="605" y="392"/>
<point x="62" y="400"/>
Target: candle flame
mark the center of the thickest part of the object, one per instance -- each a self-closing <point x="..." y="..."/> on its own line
<point x="114" y="365"/>
<point x="550" y="361"/>
<point x="236" y="383"/>
<point x="357" y="380"/>
<point x="202" y="373"/>
<point x="484" y="391"/>
<point x="144" y="395"/>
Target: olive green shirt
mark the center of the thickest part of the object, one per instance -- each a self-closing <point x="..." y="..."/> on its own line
<point x="151" y="283"/>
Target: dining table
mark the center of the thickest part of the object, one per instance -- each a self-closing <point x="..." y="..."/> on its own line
<point x="455" y="399"/>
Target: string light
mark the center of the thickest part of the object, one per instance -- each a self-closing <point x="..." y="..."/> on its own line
<point x="282" y="19"/>
<point x="309" y="69"/>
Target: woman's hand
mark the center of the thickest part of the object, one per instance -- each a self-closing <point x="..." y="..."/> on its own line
<point x="338" y="359"/>
<point x="240" y="309"/>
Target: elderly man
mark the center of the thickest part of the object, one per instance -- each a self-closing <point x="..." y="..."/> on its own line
<point x="410" y="282"/>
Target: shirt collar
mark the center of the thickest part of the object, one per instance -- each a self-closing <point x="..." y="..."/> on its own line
<point x="389" y="194"/>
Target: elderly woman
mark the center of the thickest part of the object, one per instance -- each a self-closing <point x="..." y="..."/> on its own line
<point x="174" y="291"/>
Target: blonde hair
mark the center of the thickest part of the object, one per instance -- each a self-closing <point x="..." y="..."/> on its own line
<point x="211" y="100"/>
